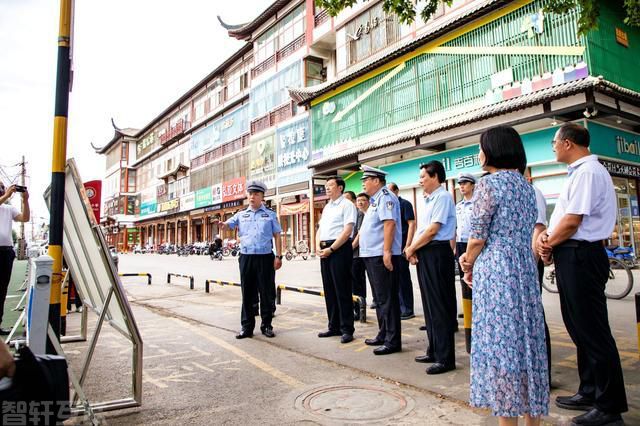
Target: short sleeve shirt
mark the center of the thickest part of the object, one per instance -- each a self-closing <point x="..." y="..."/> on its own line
<point x="541" y="206"/>
<point x="8" y="214"/>
<point x="439" y="208"/>
<point x="256" y="229"/>
<point x="588" y="191"/>
<point x="406" y="214"/>
<point x="383" y="206"/>
<point x="464" y="209"/>
<point x="335" y="216"/>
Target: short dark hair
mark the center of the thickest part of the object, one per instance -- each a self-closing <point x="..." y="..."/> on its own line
<point x="392" y="186"/>
<point x="364" y="194"/>
<point x="339" y="181"/>
<point x="351" y="193"/>
<point x="575" y="133"/>
<point x="433" y="168"/>
<point x="503" y="148"/>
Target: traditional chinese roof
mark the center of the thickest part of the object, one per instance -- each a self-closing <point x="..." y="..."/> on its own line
<point x="477" y="111"/>
<point x="117" y="136"/>
<point x="304" y="95"/>
<point x="177" y="169"/>
<point x="244" y="31"/>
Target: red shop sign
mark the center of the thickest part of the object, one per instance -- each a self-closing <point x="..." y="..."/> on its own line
<point x="234" y="189"/>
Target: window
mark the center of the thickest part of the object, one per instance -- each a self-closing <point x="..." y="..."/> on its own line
<point x="234" y="83"/>
<point x="199" y="107"/>
<point x="280" y="35"/>
<point x="314" y="71"/>
<point x="123" y="180"/>
<point x="131" y="187"/>
<point x="265" y="45"/>
<point x="124" y="150"/>
<point x="273" y="92"/>
<point x="371" y="32"/>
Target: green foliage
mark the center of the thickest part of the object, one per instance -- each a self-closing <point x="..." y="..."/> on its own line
<point x="14" y="235"/>
<point x="405" y="10"/>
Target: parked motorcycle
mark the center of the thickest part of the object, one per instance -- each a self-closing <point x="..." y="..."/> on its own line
<point x="623" y="254"/>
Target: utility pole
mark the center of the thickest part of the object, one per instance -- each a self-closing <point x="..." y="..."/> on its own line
<point x="63" y="83"/>
<point x="22" y="243"/>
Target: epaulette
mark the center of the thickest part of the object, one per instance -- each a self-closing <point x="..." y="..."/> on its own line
<point x="385" y="191"/>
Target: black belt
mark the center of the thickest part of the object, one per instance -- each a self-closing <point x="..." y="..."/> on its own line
<point x="327" y="243"/>
<point x="581" y="244"/>
<point x="436" y="243"/>
<point x="6" y="248"/>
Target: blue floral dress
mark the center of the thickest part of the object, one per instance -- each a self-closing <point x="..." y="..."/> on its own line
<point x="508" y="353"/>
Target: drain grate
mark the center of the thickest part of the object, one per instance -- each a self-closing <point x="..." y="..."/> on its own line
<point x="354" y="403"/>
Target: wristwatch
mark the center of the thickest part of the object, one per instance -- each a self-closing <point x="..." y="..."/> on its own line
<point x="279" y="257"/>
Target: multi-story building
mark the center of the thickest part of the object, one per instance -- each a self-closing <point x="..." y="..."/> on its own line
<point x="406" y="94"/>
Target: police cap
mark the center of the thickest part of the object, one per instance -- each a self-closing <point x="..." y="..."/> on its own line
<point x="256" y="185"/>
<point x="466" y="177"/>
<point x="369" y="171"/>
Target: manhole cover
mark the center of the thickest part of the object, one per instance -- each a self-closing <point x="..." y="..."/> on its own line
<point x="351" y="403"/>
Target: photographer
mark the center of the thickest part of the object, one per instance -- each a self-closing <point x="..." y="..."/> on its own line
<point x="9" y="214"/>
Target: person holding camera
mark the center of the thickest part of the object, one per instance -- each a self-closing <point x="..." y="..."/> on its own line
<point x="9" y="214"/>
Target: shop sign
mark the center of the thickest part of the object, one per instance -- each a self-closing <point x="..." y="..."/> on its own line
<point x="170" y="205"/>
<point x="262" y="165"/>
<point x="225" y="129"/>
<point x="226" y="205"/>
<point x="161" y="190"/>
<point x="625" y="146"/>
<point x="216" y="194"/>
<point x="148" y="208"/>
<point x="93" y="189"/>
<point x="614" y="143"/>
<point x="203" y="197"/>
<point x="233" y="189"/>
<point x="628" y="170"/>
<point x="293" y="153"/>
<point x="187" y="202"/>
<point x="147" y="144"/>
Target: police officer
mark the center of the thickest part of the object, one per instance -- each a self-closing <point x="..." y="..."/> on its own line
<point x="258" y="226"/>
<point x="467" y="183"/>
<point x="408" y="221"/>
<point x="336" y="256"/>
<point x="431" y="249"/>
<point x="358" y="277"/>
<point x="380" y="241"/>
<point x="582" y="220"/>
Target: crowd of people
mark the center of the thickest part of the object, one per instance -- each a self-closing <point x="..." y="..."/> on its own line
<point x="498" y="235"/>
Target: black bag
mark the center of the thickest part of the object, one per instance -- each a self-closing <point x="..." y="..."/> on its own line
<point x="39" y="393"/>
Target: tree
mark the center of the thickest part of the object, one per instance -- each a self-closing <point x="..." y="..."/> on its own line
<point x="406" y="10"/>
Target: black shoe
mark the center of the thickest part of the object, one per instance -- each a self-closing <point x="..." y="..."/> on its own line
<point x="268" y="331"/>
<point x="574" y="402"/>
<point x="328" y="333"/>
<point x="456" y="329"/>
<point x="423" y="328"/>
<point x="385" y="350"/>
<point x="374" y="342"/>
<point x="595" y="417"/>
<point x="425" y="359"/>
<point x="244" y="334"/>
<point x="460" y="315"/>
<point x="439" y="368"/>
<point x="373" y="305"/>
<point x="407" y="316"/>
<point x="346" y="338"/>
<point x="4" y="331"/>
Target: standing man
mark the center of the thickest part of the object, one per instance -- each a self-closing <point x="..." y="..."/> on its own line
<point x="336" y="256"/>
<point x="9" y="214"/>
<point x="380" y="241"/>
<point x="432" y="251"/>
<point x="582" y="220"/>
<point x="464" y="209"/>
<point x="408" y="221"/>
<point x="258" y="226"/>
<point x="358" y="277"/>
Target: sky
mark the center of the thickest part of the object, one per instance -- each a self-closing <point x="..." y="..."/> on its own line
<point x="131" y="60"/>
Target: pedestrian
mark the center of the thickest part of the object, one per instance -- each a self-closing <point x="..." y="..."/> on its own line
<point x="8" y="215"/>
<point x="258" y="226"/>
<point x="432" y="250"/>
<point x="408" y="221"/>
<point x="351" y="196"/>
<point x="358" y="278"/>
<point x="380" y="240"/>
<point x="336" y="256"/>
<point x="467" y="183"/>
<point x="583" y="219"/>
<point x="508" y="355"/>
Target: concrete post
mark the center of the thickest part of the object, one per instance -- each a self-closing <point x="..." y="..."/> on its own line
<point x="38" y="308"/>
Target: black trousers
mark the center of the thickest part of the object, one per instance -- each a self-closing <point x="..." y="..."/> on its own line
<point x="336" y="282"/>
<point x="257" y="276"/>
<point x="7" y="255"/>
<point x="436" y="275"/>
<point x="582" y="272"/>
<point x="547" y="335"/>
<point x="384" y="284"/>
<point x="405" y="288"/>
<point x="358" y="277"/>
<point x="461" y="248"/>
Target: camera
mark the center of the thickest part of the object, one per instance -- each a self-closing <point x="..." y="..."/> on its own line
<point x="20" y="188"/>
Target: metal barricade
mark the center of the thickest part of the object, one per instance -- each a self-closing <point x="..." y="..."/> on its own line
<point x="169" y="275"/>
<point x="145" y="274"/>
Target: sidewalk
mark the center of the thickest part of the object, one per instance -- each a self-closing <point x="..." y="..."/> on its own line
<point x="18" y="275"/>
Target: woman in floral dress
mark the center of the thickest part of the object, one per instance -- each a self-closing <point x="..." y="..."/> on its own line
<point x="508" y="354"/>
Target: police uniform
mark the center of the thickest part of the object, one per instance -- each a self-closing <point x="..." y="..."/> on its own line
<point x="383" y="206"/>
<point x="257" y="273"/>
<point x="359" y="280"/>
<point x="405" y="286"/>
<point x="464" y="208"/>
<point x="336" y="268"/>
<point x="436" y="275"/>
<point x="582" y="270"/>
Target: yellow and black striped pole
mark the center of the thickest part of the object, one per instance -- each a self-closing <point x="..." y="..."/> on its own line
<point x="56" y="207"/>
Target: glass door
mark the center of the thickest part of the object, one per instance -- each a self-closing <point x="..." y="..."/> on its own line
<point x="623" y="225"/>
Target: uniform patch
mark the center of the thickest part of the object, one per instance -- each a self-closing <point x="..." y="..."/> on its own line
<point x="385" y="191"/>
<point x="389" y="205"/>
<point x="246" y="215"/>
<point x="265" y="215"/>
<point x="372" y="205"/>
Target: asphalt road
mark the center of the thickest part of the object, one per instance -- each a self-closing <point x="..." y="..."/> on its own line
<point x="196" y="372"/>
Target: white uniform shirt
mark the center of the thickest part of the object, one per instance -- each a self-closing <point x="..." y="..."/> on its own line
<point x="589" y="192"/>
<point x="7" y="214"/>
<point x="335" y="216"/>
<point x="541" y="205"/>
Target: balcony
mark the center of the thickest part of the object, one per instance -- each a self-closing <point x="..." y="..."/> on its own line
<point x="221" y="151"/>
<point x="263" y="66"/>
<point x="320" y="18"/>
<point x="290" y="48"/>
<point x="175" y="132"/>
<point x="274" y="117"/>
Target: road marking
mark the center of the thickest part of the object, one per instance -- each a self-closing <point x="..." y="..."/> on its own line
<point x="283" y="377"/>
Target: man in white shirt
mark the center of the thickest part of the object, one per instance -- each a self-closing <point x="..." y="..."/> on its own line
<point x="336" y="256"/>
<point x="583" y="218"/>
<point x="9" y="214"/>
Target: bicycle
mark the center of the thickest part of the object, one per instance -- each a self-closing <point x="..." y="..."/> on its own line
<point x="618" y="286"/>
<point x="300" y="249"/>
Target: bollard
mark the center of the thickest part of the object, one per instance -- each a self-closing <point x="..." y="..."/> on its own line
<point x="191" y="281"/>
<point x="38" y="305"/>
<point x="638" y="319"/>
<point x="142" y="274"/>
<point x="467" y="311"/>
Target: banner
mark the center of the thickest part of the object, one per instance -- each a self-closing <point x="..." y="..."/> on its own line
<point x="262" y="164"/>
<point x="224" y="129"/>
<point x="293" y="146"/>
<point x="289" y="209"/>
<point x="187" y="202"/>
<point x="93" y="189"/>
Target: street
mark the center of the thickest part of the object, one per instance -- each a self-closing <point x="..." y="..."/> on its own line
<point x="196" y="372"/>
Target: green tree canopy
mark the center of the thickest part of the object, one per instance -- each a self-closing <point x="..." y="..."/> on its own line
<point x="406" y="10"/>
